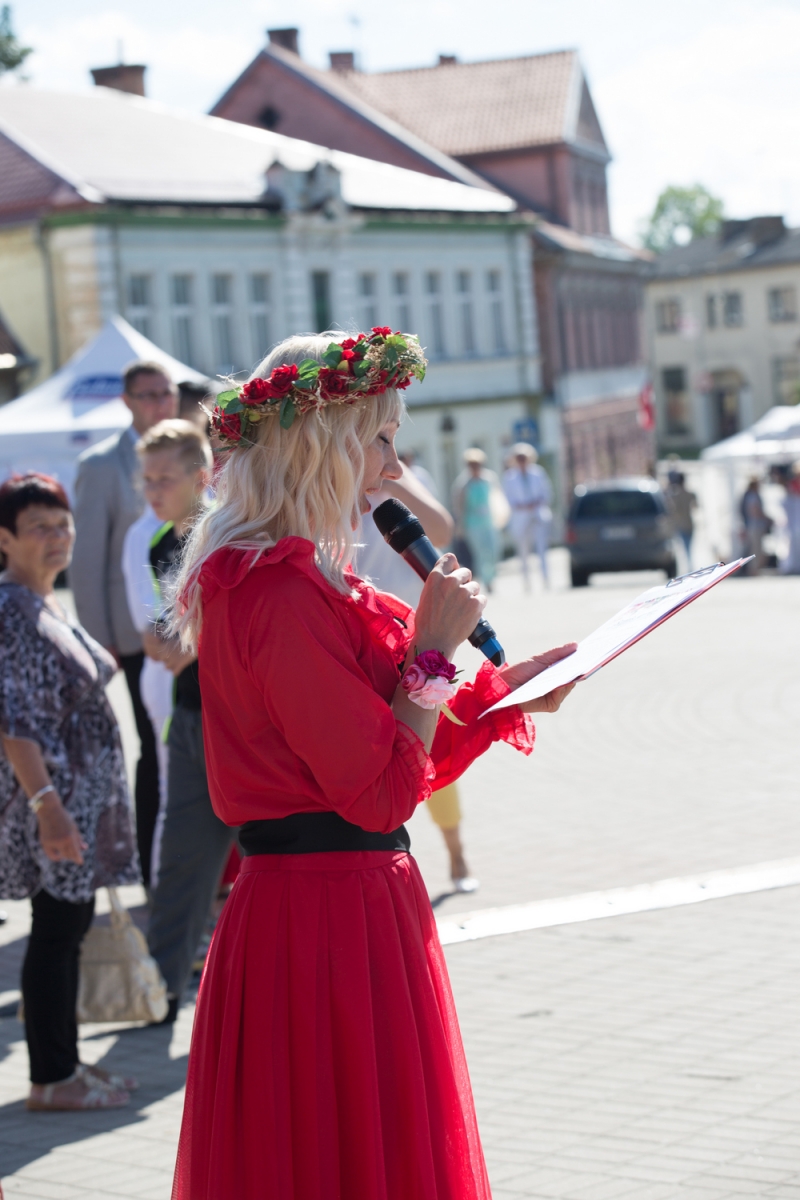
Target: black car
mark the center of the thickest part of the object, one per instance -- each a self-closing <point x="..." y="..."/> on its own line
<point x="619" y="525"/>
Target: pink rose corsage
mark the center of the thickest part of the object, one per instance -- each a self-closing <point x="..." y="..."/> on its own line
<point x="429" y="679"/>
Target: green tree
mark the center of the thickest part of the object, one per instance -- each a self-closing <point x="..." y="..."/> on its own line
<point x="12" y="55"/>
<point x="680" y="215"/>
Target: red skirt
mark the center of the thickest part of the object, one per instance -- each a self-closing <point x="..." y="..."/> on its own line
<point x="326" y="1059"/>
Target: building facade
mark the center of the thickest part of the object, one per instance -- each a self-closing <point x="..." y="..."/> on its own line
<point x="300" y="239"/>
<point x="527" y="126"/>
<point x="723" y="319"/>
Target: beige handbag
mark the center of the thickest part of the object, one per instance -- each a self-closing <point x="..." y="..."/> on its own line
<point x="119" y="980"/>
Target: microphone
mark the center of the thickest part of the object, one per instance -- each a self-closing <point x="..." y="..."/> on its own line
<point x="404" y="533"/>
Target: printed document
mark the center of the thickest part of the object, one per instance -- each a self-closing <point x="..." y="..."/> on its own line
<point x="635" y="621"/>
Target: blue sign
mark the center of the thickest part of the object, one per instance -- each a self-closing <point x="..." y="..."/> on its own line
<point x="95" y="388"/>
<point x="526" y="430"/>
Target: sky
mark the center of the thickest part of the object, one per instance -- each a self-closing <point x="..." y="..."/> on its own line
<point x="687" y="91"/>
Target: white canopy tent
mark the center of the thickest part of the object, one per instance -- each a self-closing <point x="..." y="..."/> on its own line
<point x="47" y="428"/>
<point x="729" y="464"/>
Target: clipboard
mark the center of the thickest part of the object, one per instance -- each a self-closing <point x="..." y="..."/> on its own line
<point x="625" y="629"/>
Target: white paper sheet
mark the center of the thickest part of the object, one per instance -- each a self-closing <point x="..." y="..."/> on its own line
<point x="631" y="623"/>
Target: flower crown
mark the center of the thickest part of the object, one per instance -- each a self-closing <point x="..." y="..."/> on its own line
<point x="365" y="365"/>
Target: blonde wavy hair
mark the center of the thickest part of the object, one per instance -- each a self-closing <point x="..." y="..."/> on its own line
<point x="303" y="481"/>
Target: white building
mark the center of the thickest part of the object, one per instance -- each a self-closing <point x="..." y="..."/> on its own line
<point x="216" y="240"/>
<point x="724" y="331"/>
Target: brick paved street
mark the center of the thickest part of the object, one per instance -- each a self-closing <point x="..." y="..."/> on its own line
<point x="650" y="1056"/>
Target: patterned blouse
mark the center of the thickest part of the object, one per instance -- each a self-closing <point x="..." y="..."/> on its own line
<point x="52" y="691"/>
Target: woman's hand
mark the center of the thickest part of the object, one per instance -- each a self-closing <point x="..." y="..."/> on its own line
<point x="529" y="668"/>
<point x="58" y="833"/>
<point x="449" y="608"/>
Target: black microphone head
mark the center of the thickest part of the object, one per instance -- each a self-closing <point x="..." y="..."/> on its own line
<point x="389" y="515"/>
<point x="397" y="524"/>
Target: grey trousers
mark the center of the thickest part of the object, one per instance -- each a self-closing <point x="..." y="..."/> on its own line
<point x="194" y="849"/>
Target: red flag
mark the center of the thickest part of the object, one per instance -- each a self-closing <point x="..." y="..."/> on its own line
<point x="647" y="407"/>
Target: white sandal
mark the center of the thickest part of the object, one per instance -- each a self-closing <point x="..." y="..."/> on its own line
<point x="96" y="1075"/>
<point x="96" y="1095"/>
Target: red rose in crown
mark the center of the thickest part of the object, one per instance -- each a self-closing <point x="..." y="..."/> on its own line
<point x="348" y="372"/>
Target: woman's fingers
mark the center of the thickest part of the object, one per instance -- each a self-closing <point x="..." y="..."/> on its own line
<point x="449" y="608"/>
<point x="550" y="703"/>
<point x="553" y="656"/>
<point x="69" y="849"/>
<point x="518" y="673"/>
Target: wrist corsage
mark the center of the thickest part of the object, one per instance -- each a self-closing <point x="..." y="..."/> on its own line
<point x="429" y="680"/>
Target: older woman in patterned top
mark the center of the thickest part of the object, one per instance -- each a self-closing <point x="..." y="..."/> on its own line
<point x="65" y="816"/>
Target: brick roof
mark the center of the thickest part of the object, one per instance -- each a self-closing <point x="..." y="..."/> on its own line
<point x="472" y="108"/>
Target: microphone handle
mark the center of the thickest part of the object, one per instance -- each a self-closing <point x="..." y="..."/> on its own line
<point x="422" y="557"/>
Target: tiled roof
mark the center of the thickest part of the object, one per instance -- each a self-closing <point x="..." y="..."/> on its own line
<point x="108" y="145"/>
<point x="472" y="108"/>
<point x="334" y="84"/>
<point x="718" y="254"/>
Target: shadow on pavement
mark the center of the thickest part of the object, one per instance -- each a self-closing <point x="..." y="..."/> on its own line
<point x="143" y="1052"/>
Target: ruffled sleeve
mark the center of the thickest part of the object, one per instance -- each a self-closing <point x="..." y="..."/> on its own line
<point x="456" y="746"/>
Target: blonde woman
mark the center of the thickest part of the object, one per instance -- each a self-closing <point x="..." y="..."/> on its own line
<point x="326" y="1058"/>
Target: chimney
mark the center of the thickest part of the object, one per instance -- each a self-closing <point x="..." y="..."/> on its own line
<point x="124" y="77"/>
<point x="342" y="60"/>
<point x="447" y="60"/>
<point x="285" y="38"/>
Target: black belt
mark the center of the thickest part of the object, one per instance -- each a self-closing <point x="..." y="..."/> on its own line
<point x="312" y="832"/>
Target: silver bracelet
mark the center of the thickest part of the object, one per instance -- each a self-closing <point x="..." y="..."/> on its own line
<point x="37" y="800"/>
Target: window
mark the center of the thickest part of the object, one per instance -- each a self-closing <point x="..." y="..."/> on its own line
<point x="782" y="304"/>
<point x="668" y="316"/>
<point x="464" y="289"/>
<point x="711" y="312"/>
<point x="321" y="297"/>
<point x="433" y="287"/>
<point x="139" y="302"/>
<point x="604" y="506"/>
<point x="786" y="380"/>
<point x="676" y="401"/>
<point x="367" y="290"/>
<point x="732" y="311"/>
<point x="494" y="286"/>
<point x="221" y="288"/>
<point x="401" y="289"/>
<point x="222" y="322"/>
<point x="260" y="314"/>
<point x="181" y="287"/>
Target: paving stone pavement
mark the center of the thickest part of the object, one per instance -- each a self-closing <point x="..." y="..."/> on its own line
<point x="650" y="1056"/>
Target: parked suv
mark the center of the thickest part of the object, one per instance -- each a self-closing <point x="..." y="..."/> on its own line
<point x="619" y="525"/>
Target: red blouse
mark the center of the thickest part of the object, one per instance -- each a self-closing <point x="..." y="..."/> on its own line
<point x="297" y="687"/>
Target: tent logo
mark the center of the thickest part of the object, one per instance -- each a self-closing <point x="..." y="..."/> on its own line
<point x="95" y="387"/>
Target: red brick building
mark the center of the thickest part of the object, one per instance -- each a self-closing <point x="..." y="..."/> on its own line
<point x="528" y="127"/>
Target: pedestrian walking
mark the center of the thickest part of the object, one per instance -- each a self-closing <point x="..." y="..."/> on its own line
<point x="378" y="563"/>
<point x="194" y="843"/>
<point x="66" y="826"/>
<point x="107" y="502"/>
<point x="475" y="504"/>
<point x="326" y="1059"/>
<point x="756" y="524"/>
<point x="682" y="504"/>
<point x="529" y="493"/>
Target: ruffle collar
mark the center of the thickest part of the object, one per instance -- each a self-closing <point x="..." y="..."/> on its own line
<point x="390" y="621"/>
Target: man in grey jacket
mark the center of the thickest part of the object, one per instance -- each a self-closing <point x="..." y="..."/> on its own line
<point x="107" y="502"/>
